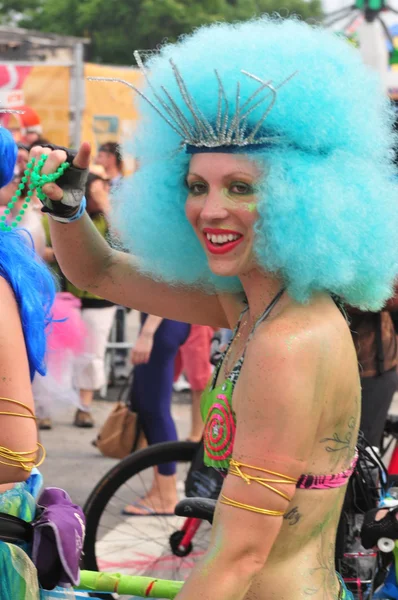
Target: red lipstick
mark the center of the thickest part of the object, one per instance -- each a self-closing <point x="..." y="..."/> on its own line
<point x="223" y="247"/>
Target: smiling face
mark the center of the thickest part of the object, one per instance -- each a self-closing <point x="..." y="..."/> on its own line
<point x="222" y="209"/>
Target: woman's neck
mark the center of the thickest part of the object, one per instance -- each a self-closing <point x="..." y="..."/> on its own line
<point x="260" y="289"/>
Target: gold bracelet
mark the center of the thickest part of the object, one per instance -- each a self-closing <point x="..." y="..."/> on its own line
<point x="255" y="509"/>
<point x="23" y="460"/>
<point x="235" y="468"/>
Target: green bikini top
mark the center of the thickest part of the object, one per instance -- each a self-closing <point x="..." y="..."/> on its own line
<point x="216" y="403"/>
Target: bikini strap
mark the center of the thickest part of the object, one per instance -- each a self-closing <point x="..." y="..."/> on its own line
<point x="225" y="352"/>
<point x="234" y="373"/>
<point x="263" y="316"/>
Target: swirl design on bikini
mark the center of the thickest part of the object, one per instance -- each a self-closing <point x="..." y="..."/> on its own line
<point x="219" y="431"/>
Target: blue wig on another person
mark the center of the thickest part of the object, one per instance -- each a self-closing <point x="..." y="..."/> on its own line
<point x="328" y="218"/>
<point x="29" y="278"/>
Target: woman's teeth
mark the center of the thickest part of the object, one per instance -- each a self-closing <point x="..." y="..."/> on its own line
<point x="222" y="239"/>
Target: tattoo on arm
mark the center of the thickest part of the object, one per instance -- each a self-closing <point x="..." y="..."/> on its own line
<point x="323" y="576"/>
<point x="293" y="516"/>
<point x="340" y="442"/>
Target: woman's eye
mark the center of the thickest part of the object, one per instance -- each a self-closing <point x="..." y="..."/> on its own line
<point x="197" y="188"/>
<point x="241" y="188"/>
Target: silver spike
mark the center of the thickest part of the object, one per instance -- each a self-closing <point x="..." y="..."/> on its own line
<point x="262" y="118"/>
<point x="201" y="121"/>
<point x="227" y="131"/>
<point x="130" y="85"/>
<point x="271" y="90"/>
<point x="234" y="126"/>
<point x="179" y="115"/>
<point x="264" y="85"/>
<point x="224" y="124"/>
<point x="219" y="103"/>
<point x="143" y="70"/>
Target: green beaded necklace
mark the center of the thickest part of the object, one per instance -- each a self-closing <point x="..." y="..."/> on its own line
<point x="36" y="182"/>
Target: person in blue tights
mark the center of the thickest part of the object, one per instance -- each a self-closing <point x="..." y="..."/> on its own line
<point x="150" y="396"/>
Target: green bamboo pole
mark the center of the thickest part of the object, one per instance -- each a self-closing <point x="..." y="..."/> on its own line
<point x="395" y="552"/>
<point x="144" y="587"/>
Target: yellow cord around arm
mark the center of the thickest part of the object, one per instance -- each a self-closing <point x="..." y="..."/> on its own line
<point x="11" y="414"/>
<point x="23" y="460"/>
<point x="235" y="468"/>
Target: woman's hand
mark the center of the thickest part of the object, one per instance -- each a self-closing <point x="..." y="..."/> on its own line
<point x="141" y="352"/>
<point x="63" y="200"/>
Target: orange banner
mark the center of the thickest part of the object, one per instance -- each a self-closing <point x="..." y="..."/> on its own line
<point x="109" y="113"/>
<point x="46" y="89"/>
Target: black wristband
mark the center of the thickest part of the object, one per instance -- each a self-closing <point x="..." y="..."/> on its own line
<point x="59" y="210"/>
<point x="73" y="184"/>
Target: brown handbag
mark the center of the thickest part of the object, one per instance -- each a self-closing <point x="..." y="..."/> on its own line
<point x="121" y="434"/>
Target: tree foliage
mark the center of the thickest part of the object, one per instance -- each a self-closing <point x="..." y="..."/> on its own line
<point x="118" y="27"/>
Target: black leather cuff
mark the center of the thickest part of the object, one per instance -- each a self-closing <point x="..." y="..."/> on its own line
<point x="73" y="184"/>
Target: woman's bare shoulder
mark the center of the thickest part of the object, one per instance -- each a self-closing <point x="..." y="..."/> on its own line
<point x="301" y="338"/>
<point x="312" y="322"/>
<point x="7" y="300"/>
<point x="10" y="320"/>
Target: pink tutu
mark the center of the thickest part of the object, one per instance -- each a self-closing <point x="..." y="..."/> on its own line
<point x="68" y="329"/>
<point x="65" y="342"/>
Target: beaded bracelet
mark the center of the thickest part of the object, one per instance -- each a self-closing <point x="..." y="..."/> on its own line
<point x="36" y="182"/>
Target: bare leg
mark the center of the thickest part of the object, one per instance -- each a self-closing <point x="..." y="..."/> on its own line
<point x="86" y="398"/>
<point x="161" y="498"/>
<point x="83" y="416"/>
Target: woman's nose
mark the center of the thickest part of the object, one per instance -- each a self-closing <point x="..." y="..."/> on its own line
<point x="214" y="207"/>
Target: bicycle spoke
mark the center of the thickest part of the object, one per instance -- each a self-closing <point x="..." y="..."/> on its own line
<point x="142" y="545"/>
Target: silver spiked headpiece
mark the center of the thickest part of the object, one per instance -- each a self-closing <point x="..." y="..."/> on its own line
<point x="231" y="127"/>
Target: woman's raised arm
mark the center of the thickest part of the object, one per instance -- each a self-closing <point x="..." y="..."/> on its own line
<point x="91" y="264"/>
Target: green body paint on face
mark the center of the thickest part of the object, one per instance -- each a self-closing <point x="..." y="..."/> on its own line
<point x="240" y="199"/>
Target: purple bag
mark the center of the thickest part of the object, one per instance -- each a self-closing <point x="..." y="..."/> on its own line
<point x="58" y="536"/>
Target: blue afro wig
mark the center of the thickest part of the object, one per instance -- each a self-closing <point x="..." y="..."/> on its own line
<point x="30" y="279"/>
<point x="8" y="156"/>
<point x="328" y="218"/>
<point x="34" y="289"/>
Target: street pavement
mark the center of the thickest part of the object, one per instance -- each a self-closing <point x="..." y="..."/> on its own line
<point x="73" y="463"/>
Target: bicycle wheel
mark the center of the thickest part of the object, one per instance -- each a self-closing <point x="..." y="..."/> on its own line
<point x="140" y="545"/>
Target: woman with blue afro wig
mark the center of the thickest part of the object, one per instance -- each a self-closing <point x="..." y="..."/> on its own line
<point x="265" y="196"/>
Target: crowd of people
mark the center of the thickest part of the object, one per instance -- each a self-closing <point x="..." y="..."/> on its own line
<point x="264" y="205"/>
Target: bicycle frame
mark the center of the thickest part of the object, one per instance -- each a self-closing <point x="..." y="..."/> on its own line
<point x="189" y="528"/>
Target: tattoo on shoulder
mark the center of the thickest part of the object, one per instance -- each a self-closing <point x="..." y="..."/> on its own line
<point x="341" y="441"/>
<point x="293" y="516"/>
